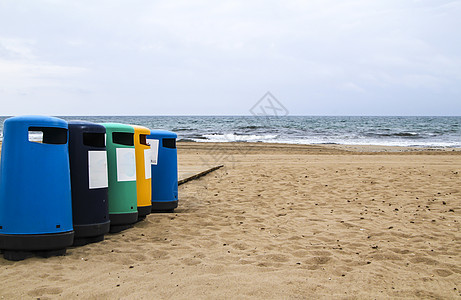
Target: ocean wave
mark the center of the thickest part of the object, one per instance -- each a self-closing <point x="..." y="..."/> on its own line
<point x="407" y="134"/>
<point x="412" y="135"/>
<point x="195" y="137"/>
<point x="252" y="127"/>
<point x="400" y="143"/>
<point x="227" y="138"/>
<point x="180" y="129"/>
<point x="232" y="137"/>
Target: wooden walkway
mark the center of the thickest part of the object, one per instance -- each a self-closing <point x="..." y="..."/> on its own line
<point x="188" y="172"/>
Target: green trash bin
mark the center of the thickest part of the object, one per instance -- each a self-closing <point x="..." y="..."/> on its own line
<point x="121" y="167"/>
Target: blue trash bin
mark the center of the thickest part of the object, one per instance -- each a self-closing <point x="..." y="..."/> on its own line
<point x="35" y="192"/>
<point x="89" y="181"/>
<point x="164" y="166"/>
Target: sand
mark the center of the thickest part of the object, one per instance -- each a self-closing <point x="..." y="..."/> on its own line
<point x="278" y="221"/>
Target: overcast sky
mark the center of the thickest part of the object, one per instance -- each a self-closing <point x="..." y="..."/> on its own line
<point x="144" y="57"/>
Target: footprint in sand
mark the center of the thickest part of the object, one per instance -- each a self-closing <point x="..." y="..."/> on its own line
<point x="400" y="251"/>
<point x="158" y="254"/>
<point x="240" y="246"/>
<point x="139" y="257"/>
<point x="424" y="260"/>
<point x="321" y="253"/>
<point x="275" y="258"/>
<point x="443" y="272"/>
<point x="191" y="261"/>
<point x="246" y="261"/>
<point x="301" y="253"/>
<point x="41" y="291"/>
<point x="319" y="260"/>
<point x="386" y="256"/>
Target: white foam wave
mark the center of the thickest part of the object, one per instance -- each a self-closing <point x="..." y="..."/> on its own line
<point x="230" y="137"/>
<point x="370" y="142"/>
<point x="274" y="138"/>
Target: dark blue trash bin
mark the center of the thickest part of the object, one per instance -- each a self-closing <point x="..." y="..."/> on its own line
<point x="35" y="195"/>
<point x="164" y="166"/>
<point x="89" y="181"/>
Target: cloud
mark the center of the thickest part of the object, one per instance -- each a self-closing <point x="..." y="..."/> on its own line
<point x="222" y="54"/>
<point x="27" y="81"/>
<point x="11" y="48"/>
<point x="350" y="86"/>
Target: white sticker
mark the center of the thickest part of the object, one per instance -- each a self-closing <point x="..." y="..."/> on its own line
<point x="97" y="169"/>
<point x="147" y="163"/>
<point x="126" y="164"/>
<point x="154" y="151"/>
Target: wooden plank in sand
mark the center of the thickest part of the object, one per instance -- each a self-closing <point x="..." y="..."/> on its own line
<point x="188" y="173"/>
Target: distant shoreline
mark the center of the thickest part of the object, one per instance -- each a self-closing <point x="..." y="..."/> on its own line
<point x="236" y="147"/>
<point x="350" y="147"/>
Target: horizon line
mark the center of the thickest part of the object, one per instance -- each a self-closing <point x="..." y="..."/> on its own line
<point x="198" y="115"/>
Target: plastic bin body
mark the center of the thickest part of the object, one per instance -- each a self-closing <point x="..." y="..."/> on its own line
<point x="164" y="165"/>
<point x="35" y="190"/>
<point x="143" y="170"/>
<point x="121" y="166"/>
<point x="89" y="180"/>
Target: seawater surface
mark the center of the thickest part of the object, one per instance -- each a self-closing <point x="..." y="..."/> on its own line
<point x="352" y="130"/>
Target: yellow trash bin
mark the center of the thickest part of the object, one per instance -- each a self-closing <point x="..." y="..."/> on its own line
<point x="143" y="170"/>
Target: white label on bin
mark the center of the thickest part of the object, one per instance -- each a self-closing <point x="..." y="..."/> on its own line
<point x="147" y="154"/>
<point x="97" y="169"/>
<point x="126" y="164"/>
<point x="154" y="151"/>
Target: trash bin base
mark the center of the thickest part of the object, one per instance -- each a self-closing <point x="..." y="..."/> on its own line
<point x="82" y="241"/>
<point x="143" y="211"/>
<point x="164" y="206"/>
<point x="118" y="228"/>
<point x="91" y="230"/>
<point x="36" y="242"/>
<point x="21" y="255"/>
<point x="123" y="219"/>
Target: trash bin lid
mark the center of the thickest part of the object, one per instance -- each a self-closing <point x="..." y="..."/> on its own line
<point x="85" y="126"/>
<point x="117" y="127"/>
<point x="36" y="121"/>
<point x="163" y="134"/>
<point x="141" y="129"/>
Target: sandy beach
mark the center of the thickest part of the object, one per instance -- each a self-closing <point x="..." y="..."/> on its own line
<point x="278" y="221"/>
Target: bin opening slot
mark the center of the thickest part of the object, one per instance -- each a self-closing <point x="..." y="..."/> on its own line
<point x="169" y="143"/>
<point x="93" y="139"/>
<point x="143" y="139"/>
<point x="48" y="135"/>
<point x="123" y="138"/>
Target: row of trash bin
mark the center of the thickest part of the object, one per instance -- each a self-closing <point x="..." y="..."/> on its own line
<point x="69" y="183"/>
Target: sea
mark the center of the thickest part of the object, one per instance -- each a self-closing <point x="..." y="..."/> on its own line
<point x="416" y="131"/>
